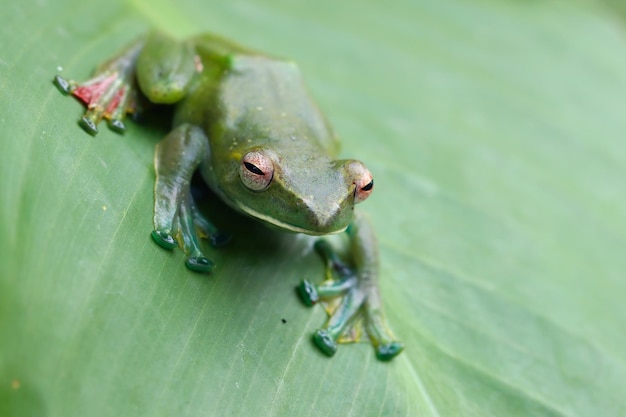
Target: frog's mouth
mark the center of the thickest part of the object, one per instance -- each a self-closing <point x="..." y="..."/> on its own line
<point x="286" y="226"/>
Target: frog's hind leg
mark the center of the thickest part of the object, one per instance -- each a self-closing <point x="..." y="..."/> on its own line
<point x="177" y="220"/>
<point x="155" y="68"/>
<point x="110" y="94"/>
<point x="351" y="297"/>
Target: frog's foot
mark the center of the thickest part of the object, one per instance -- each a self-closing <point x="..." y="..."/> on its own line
<point x="110" y="94"/>
<point x="353" y="307"/>
<point x="186" y="229"/>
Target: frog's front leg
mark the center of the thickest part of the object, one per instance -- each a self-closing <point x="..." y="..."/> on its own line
<point x="352" y="295"/>
<point x="177" y="220"/>
<point x="161" y="69"/>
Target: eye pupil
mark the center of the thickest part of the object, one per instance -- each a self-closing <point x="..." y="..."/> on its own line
<point x="253" y="168"/>
<point x="369" y="186"/>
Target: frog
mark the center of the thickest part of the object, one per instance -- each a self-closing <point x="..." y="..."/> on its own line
<point x="246" y="122"/>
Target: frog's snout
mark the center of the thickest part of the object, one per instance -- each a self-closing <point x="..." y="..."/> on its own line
<point x="326" y="217"/>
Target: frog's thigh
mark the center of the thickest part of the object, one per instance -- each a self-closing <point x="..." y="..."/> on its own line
<point x="176" y="217"/>
<point x="165" y="68"/>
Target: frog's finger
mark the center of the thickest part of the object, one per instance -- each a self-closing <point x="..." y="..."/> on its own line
<point x="89" y="121"/>
<point x="164" y="239"/>
<point x="196" y="261"/>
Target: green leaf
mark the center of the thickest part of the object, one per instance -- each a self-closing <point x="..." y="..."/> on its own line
<point x="495" y="131"/>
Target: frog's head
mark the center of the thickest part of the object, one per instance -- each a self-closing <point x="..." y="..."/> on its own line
<point x="301" y="191"/>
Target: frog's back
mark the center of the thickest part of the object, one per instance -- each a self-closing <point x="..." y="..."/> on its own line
<point x="254" y="98"/>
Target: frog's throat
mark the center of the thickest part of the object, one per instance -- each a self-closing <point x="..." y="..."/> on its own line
<point x="292" y="228"/>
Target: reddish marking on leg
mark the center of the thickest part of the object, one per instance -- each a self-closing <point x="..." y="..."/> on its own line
<point x="115" y="102"/>
<point x="91" y="93"/>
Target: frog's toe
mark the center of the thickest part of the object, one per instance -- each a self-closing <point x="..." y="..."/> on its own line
<point x="324" y="340"/>
<point x="117" y="125"/>
<point x="199" y="264"/>
<point x="164" y="239"/>
<point x="89" y="122"/>
<point x="308" y="293"/>
<point x="65" y="86"/>
<point x="388" y="351"/>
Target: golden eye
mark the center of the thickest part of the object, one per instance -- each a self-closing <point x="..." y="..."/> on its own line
<point x="256" y="170"/>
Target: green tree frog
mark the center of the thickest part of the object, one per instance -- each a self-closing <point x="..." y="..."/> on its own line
<point x="245" y="121"/>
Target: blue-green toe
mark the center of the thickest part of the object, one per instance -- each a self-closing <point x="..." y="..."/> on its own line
<point x="324" y="340"/>
<point x="199" y="264"/>
<point x="164" y="239"/>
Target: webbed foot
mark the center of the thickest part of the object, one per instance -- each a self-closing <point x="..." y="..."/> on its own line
<point x="353" y="305"/>
<point x="110" y="94"/>
<point x="186" y="229"/>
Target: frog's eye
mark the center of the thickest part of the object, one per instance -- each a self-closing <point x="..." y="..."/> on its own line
<point x="256" y="171"/>
<point x="362" y="179"/>
<point x="364" y="187"/>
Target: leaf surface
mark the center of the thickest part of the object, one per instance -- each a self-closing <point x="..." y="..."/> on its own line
<point x="495" y="134"/>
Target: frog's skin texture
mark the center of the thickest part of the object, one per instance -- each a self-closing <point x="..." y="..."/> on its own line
<point x="245" y="121"/>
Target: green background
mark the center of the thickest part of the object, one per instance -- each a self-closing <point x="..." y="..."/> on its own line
<point x="495" y="131"/>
